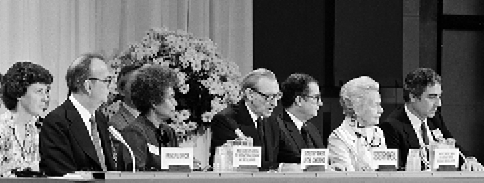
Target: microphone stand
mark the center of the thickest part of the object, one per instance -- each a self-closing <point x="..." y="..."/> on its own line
<point x="120" y="138"/>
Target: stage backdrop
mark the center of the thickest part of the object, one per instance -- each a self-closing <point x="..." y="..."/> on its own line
<point x="54" y="32"/>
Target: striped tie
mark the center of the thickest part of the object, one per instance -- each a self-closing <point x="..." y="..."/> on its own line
<point x="97" y="143"/>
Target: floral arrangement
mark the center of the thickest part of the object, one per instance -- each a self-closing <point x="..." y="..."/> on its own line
<point x="207" y="83"/>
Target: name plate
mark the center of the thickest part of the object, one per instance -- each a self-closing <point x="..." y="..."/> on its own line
<point x="176" y="156"/>
<point x="446" y="157"/>
<point x="311" y="158"/>
<point x="247" y="156"/>
<point x="384" y="159"/>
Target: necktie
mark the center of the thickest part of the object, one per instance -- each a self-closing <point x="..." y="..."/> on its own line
<point x="306" y="137"/>
<point x="260" y="127"/>
<point x="96" y="141"/>
<point x="425" y="152"/>
<point x="423" y="130"/>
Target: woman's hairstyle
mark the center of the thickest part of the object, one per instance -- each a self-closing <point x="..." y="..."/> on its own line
<point x="354" y="94"/>
<point x="418" y="80"/>
<point x="18" y="78"/>
<point x="295" y="85"/>
<point x="149" y="86"/>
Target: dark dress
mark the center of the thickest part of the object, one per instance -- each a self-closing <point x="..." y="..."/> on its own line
<point x="142" y="136"/>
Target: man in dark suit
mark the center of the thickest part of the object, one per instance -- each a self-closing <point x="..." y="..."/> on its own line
<point x="74" y="136"/>
<point x="418" y="122"/>
<point x="252" y="116"/>
<point x="301" y="100"/>
<point x="127" y="112"/>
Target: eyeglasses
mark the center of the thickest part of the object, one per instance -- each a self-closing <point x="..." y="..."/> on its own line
<point x="276" y="96"/>
<point x="315" y="97"/>
<point x="107" y="80"/>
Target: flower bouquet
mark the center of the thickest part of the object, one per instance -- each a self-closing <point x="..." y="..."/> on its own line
<point x="207" y="83"/>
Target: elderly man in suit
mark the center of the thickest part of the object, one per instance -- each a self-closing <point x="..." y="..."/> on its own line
<point x="74" y="136"/>
<point x="301" y="100"/>
<point x="418" y="122"/>
<point x="252" y="116"/>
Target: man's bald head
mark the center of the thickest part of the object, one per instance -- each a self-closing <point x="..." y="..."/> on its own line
<point x="80" y="70"/>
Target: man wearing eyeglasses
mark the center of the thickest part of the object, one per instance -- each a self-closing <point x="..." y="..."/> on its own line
<point x="74" y="136"/>
<point x="301" y="101"/>
<point x="251" y="117"/>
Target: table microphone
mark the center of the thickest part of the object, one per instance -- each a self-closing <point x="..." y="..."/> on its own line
<point x="120" y="138"/>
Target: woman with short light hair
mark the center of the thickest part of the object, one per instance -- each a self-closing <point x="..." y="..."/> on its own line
<point x="350" y="144"/>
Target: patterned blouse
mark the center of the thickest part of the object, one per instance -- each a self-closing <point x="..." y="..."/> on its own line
<point x="16" y="153"/>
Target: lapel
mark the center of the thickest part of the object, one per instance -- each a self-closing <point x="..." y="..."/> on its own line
<point x="127" y="116"/>
<point x="294" y="135"/>
<point x="246" y="124"/>
<point x="410" y="135"/>
<point x="79" y="131"/>
<point x="315" y="136"/>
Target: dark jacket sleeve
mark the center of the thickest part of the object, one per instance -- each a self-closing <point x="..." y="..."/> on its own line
<point x="393" y="140"/>
<point x="275" y="138"/>
<point x="221" y="132"/>
<point x="55" y="148"/>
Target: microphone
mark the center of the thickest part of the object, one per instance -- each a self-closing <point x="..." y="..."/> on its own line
<point x="120" y="138"/>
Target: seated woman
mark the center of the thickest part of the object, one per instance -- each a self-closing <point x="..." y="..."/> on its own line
<point x="350" y="144"/>
<point x="153" y="96"/>
<point x="25" y="93"/>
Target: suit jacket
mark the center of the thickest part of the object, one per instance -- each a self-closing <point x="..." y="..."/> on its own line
<point x="225" y="122"/>
<point x="141" y="135"/>
<point x="291" y="141"/>
<point x="350" y="152"/>
<point x="65" y="143"/>
<point x="399" y="133"/>
<point x="122" y="118"/>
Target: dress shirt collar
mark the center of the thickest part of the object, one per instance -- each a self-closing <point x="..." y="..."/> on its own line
<point x="414" y="120"/>
<point x="296" y="121"/>
<point x="252" y="114"/>
<point x="85" y="114"/>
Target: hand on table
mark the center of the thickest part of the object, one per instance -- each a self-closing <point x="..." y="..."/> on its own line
<point x="472" y="164"/>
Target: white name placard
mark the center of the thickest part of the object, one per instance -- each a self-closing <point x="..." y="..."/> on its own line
<point x="176" y="156"/>
<point x="446" y="157"/>
<point x="314" y="157"/>
<point x="384" y="157"/>
<point x="247" y="156"/>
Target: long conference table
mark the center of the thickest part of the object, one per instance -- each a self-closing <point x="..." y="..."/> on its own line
<point x="247" y="177"/>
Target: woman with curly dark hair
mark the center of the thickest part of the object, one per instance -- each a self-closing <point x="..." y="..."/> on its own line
<point x="153" y="96"/>
<point x="25" y="90"/>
